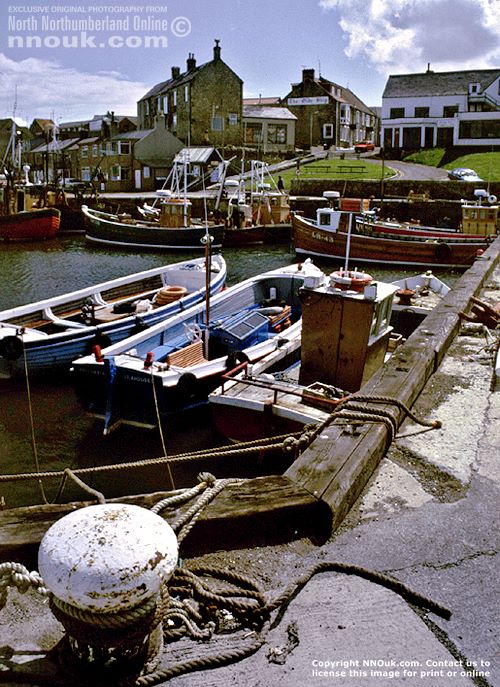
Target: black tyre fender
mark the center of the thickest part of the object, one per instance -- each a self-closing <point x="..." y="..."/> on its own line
<point x="187" y="388"/>
<point x="139" y="326"/>
<point x="442" y="251"/>
<point x="11" y="347"/>
<point x="235" y="358"/>
<point x="101" y="340"/>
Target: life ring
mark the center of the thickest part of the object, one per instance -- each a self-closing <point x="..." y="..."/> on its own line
<point x="492" y="199"/>
<point x="168" y="294"/>
<point x="187" y="388"/>
<point x="235" y="358"/>
<point x="350" y="280"/>
<point x="442" y="251"/>
<point x="11" y="347"/>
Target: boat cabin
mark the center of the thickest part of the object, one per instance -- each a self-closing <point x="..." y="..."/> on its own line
<point x="329" y="218"/>
<point x="345" y="329"/>
<point x="174" y="212"/>
<point x="479" y="218"/>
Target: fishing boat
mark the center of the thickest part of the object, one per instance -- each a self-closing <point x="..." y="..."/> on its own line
<point x="267" y="398"/>
<point x="173" y="366"/>
<point x="368" y="240"/>
<point x="32" y="225"/>
<point x="50" y="334"/>
<point x="170" y="225"/>
<point x="258" y="215"/>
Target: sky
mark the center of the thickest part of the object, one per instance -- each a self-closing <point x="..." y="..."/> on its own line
<point x="52" y="68"/>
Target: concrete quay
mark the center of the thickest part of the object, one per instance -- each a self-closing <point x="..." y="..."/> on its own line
<point x="427" y="517"/>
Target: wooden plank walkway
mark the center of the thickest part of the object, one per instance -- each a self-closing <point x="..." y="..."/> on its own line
<point x="317" y="491"/>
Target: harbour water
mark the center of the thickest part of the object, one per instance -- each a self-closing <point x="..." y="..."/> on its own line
<point x="41" y="423"/>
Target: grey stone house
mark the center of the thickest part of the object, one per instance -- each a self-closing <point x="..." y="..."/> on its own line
<point x="328" y="114"/>
<point x="202" y="105"/>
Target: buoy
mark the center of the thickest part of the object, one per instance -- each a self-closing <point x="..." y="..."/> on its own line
<point x="96" y="350"/>
<point x="149" y="360"/>
<point x="106" y="567"/>
<point x="350" y="280"/>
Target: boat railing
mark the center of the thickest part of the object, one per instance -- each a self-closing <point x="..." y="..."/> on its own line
<point x="304" y="394"/>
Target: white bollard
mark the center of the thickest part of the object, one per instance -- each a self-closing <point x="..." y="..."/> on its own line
<point x="106" y="567"/>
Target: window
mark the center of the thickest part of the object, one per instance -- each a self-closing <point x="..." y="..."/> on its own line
<point x="124" y="148"/>
<point x="95" y="150"/>
<point x="232" y="118"/>
<point x="253" y="133"/>
<point x="84" y="151"/>
<point x="125" y="173"/>
<point x="276" y="133"/>
<point x="186" y="93"/>
<point x="421" y="112"/>
<point x="397" y="112"/>
<point x="165" y="104"/>
<point x="450" y="110"/>
<point x="102" y="148"/>
<point x="481" y="129"/>
<point x="85" y="173"/>
<point x="174" y="122"/>
<point x="328" y="131"/>
<point x="217" y="123"/>
<point x="146" y="172"/>
<point x="174" y="98"/>
<point x="112" y="148"/>
<point x="146" y="107"/>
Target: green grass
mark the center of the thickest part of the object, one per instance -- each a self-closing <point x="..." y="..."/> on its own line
<point x="486" y="164"/>
<point x="335" y="169"/>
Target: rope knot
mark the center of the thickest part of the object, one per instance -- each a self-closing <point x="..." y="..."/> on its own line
<point x="208" y="478"/>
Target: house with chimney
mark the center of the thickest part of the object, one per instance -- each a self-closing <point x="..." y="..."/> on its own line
<point x="202" y="104"/>
<point x="328" y="114"/>
<point x="441" y="109"/>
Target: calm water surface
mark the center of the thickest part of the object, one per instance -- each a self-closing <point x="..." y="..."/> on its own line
<point x="64" y="436"/>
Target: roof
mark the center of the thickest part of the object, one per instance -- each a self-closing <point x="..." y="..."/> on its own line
<point x="55" y="146"/>
<point x="94" y="139"/>
<point x="135" y="135"/>
<point x="437" y="83"/>
<point x="197" y="154"/>
<point x="264" y="112"/>
<point x="261" y="101"/>
<point x="336" y="93"/>
<point x="182" y="79"/>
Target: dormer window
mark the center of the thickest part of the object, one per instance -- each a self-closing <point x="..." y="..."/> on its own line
<point x="474" y="88"/>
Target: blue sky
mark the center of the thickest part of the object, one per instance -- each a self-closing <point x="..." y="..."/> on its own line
<point x="66" y="74"/>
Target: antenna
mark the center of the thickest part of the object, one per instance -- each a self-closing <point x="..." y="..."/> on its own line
<point x="319" y="67"/>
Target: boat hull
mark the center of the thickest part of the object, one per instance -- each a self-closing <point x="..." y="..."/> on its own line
<point x="124" y="387"/>
<point x="408" y="251"/>
<point x="101" y="228"/>
<point x="30" y="226"/>
<point x="49" y="352"/>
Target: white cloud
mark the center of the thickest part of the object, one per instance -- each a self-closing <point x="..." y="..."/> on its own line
<point x="47" y="89"/>
<point x="401" y="36"/>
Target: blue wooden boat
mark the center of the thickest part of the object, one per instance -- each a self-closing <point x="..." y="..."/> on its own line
<point x="50" y="334"/>
<point x="173" y="366"/>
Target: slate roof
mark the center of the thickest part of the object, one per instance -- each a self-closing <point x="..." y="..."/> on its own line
<point x="270" y="112"/>
<point x="196" y="154"/>
<point x="437" y="83"/>
<point x="56" y="146"/>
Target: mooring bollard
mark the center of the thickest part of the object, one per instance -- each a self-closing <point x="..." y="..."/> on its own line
<point x="107" y="567"/>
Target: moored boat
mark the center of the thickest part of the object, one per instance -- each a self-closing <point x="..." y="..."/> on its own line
<point x="256" y="401"/>
<point x="367" y="240"/>
<point x="258" y="215"/>
<point x="173" y="366"/>
<point x="50" y="334"/>
<point x="30" y="225"/>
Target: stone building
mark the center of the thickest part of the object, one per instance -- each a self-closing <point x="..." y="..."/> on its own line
<point x="328" y="114"/>
<point x="202" y="105"/>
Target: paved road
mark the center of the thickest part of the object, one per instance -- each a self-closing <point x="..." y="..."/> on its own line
<point x="408" y="170"/>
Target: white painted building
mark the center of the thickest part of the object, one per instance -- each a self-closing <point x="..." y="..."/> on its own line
<point x="441" y="109"/>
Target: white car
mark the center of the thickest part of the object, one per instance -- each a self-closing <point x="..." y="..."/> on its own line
<point x="464" y="174"/>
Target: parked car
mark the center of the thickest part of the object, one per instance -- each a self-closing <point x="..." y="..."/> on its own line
<point x="464" y="174"/>
<point x="364" y="147"/>
<point x="71" y="184"/>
